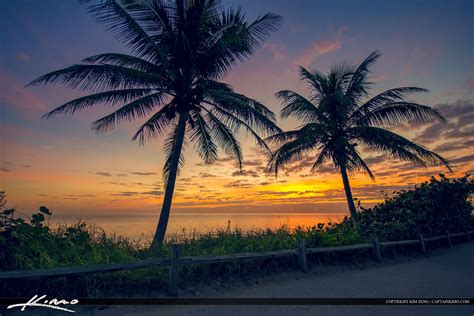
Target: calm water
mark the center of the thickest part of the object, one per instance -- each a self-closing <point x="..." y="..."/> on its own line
<point x="145" y="225"/>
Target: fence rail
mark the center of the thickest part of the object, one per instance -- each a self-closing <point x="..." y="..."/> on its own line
<point x="87" y="269"/>
<point x="435" y="238"/>
<point x="238" y="257"/>
<point x="400" y="242"/>
<point x="175" y="260"/>
<point x="339" y="248"/>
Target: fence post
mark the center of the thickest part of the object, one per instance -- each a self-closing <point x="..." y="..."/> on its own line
<point x="422" y="243"/>
<point x="303" y="262"/>
<point x="450" y="243"/>
<point x="468" y="237"/>
<point x="173" y="271"/>
<point x="376" y="252"/>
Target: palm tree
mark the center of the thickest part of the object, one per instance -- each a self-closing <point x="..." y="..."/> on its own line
<point x="180" y="50"/>
<point x="339" y="116"/>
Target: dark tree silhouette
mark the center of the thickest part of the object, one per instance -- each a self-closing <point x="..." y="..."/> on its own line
<point x="339" y="116"/>
<point x="180" y="50"/>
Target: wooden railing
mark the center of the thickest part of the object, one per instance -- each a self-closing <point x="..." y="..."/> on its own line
<point x="175" y="260"/>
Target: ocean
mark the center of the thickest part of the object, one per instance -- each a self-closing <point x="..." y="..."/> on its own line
<point x="143" y="226"/>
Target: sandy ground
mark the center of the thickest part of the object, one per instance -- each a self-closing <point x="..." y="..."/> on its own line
<point x="443" y="273"/>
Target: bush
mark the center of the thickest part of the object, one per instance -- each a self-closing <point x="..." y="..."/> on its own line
<point x="430" y="208"/>
<point x="34" y="245"/>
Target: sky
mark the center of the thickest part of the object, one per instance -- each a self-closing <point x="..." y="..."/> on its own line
<point x="63" y="164"/>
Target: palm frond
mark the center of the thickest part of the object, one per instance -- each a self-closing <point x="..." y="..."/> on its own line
<point x="317" y="81"/>
<point x="128" y="61"/>
<point x="232" y="40"/>
<point x="118" y="20"/>
<point x="253" y="113"/>
<point x="397" y="146"/>
<point x="340" y="76"/>
<point x="297" y="106"/>
<point x="359" y="84"/>
<point x="356" y="163"/>
<point x="108" y="97"/>
<point x="307" y="138"/>
<point x="233" y="122"/>
<point x="381" y="99"/>
<point x="324" y="155"/>
<point x="337" y="107"/>
<point x="200" y="134"/>
<point x="225" y="138"/>
<point x="156" y="16"/>
<point x="131" y="111"/>
<point x="390" y="95"/>
<point x="282" y="137"/>
<point x="156" y="124"/>
<point x="291" y="151"/>
<point x="396" y="113"/>
<point x="263" y="26"/>
<point x="100" y="78"/>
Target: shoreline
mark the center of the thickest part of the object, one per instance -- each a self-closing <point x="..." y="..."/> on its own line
<point x="197" y="223"/>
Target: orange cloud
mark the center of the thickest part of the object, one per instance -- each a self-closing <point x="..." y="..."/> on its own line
<point x="320" y="48"/>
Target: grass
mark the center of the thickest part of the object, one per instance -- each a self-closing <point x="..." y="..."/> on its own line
<point x="39" y="247"/>
<point x="82" y="244"/>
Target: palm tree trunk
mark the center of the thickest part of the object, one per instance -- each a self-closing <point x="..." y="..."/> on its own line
<point x="350" y="199"/>
<point x="170" y="184"/>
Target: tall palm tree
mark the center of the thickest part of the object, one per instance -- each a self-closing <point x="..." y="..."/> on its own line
<point x="180" y="50"/>
<point x="339" y="115"/>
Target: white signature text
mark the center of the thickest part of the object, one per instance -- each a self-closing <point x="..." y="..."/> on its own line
<point x="41" y="301"/>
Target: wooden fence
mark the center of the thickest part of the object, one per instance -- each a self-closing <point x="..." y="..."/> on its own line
<point x="175" y="260"/>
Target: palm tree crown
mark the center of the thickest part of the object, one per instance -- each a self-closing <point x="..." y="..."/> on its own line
<point x="339" y="116"/>
<point x="180" y="51"/>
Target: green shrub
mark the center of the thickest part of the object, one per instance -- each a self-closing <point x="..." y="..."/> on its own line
<point x="34" y="245"/>
<point x="430" y="208"/>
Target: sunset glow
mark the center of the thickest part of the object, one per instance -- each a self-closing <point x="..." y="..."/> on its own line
<point x="60" y="162"/>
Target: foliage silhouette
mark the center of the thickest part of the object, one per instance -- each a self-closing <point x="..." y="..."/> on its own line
<point x="180" y="50"/>
<point x="430" y="208"/>
<point x="338" y="117"/>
